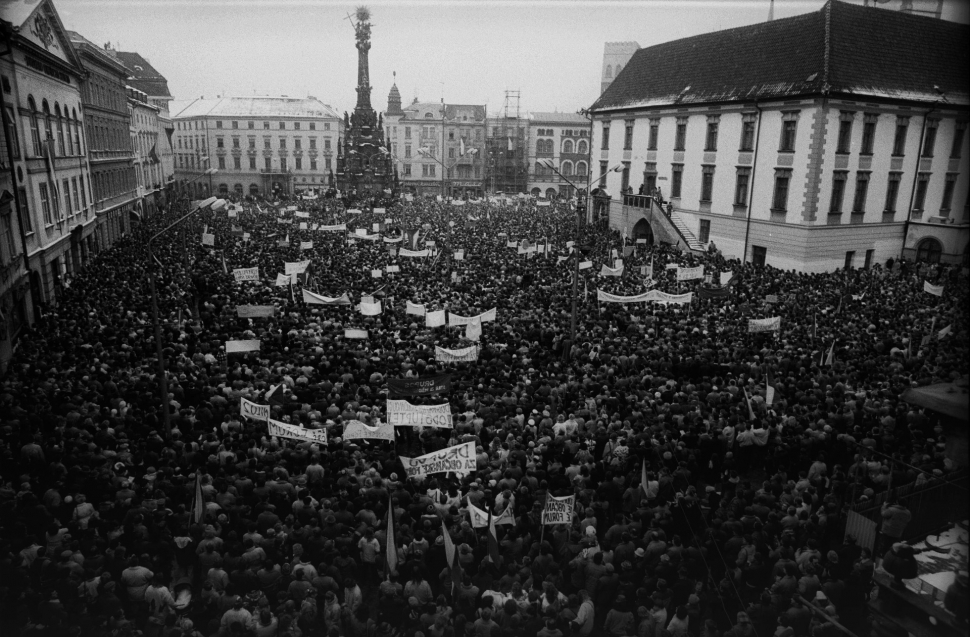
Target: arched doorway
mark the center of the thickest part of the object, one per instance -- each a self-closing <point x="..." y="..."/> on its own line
<point x="253" y="190"/>
<point x="536" y="192"/>
<point x="223" y="189"/>
<point x="928" y="250"/>
<point x="550" y="193"/>
<point x="642" y="230"/>
<point x="238" y="188"/>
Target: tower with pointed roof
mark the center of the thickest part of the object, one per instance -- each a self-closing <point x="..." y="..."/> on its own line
<point x="364" y="166"/>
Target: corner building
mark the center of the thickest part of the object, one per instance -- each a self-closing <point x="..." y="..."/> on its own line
<point x="826" y="140"/>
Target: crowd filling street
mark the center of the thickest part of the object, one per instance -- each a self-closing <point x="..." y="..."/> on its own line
<point x="699" y="458"/>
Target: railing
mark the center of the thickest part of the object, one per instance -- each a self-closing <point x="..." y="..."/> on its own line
<point x="638" y="201"/>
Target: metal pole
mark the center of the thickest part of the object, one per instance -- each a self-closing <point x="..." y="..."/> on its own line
<point x="162" y="379"/>
<point x="572" y="329"/>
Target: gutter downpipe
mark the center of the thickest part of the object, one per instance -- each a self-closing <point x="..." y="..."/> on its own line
<point x="754" y="168"/>
<point x="912" y="190"/>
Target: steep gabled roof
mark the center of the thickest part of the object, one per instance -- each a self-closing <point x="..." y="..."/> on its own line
<point x="842" y="48"/>
<point x="475" y="111"/>
<point x="142" y="75"/>
<point x="96" y="52"/>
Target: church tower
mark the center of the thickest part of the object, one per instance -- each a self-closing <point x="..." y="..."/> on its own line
<point x="364" y="167"/>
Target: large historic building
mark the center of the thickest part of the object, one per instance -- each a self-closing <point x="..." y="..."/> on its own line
<point x="107" y="123"/>
<point x="145" y="131"/>
<point x="830" y="139"/>
<point x="364" y="164"/>
<point x="564" y="139"/>
<point x="46" y="162"/>
<point x="257" y="145"/>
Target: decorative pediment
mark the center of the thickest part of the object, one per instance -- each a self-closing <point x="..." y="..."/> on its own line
<point x="43" y="28"/>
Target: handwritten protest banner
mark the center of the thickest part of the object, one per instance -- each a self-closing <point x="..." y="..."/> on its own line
<point x="392" y="269"/>
<point x="558" y="510"/>
<point x="282" y="279"/>
<point x="356" y="430"/>
<point x="303" y="215"/>
<point x="303" y="225"/>
<point x="208" y="239"/>
<point x="255" y="311"/>
<point x="337" y="228"/>
<point x="689" y="274"/>
<point x="253" y="410"/>
<point x="455" y="355"/>
<point x="419" y="386"/>
<point x="935" y="290"/>
<point x="299" y="267"/>
<point x="401" y="413"/>
<point x="772" y="324"/>
<point x="284" y="430"/>
<point x="459" y="459"/>
<point x="306" y="245"/>
<point x="311" y="298"/>
<point x="435" y="319"/>
<point x="246" y="274"/>
<point x="415" y="308"/>
<point x="242" y="346"/>
<point x="652" y="296"/>
<point x="605" y="271"/>
<point x="396" y="239"/>
<point x="370" y="309"/>
<point x="404" y="252"/>
<point x="376" y="274"/>
<point x="484" y="317"/>
<point x="586" y="265"/>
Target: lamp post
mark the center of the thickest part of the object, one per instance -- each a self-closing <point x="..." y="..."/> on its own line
<point x="216" y="204"/>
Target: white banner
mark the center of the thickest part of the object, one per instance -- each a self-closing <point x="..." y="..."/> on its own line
<point x="303" y="225"/>
<point x="376" y="274"/>
<point x="655" y="296"/>
<point x="772" y="324"/>
<point x="298" y="267"/>
<point x="380" y="211"/>
<point x="415" y="308"/>
<point x="397" y="239"/>
<point x="370" y="309"/>
<point x="393" y="269"/>
<point x="689" y="274"/>
<point x="282" y="279"/>
<point x="353" y="211"/>
<point x="725" y="277"/>
<point x="303" y="215"/>
<point x="284" y="430"/>
<point x="311" y="298"/>
<point x="479" y="518"/>
<point x="414" y="253"/>
<point x="208" y="239"/>
<point x="455" y="355"/>
<point x="558" y="510"/>
<point x="401" y="413"/>
<point x="459" y="255"/>
<point x="459" y="459"/>
<point x="355" y="333"/>
<point x="253" y="410"/>
<point x="246" y="274"/>
<point x="585" y="265"/>
<point x="484" y="317"/>
<point x="473" y="331"/>
<point x="435" y="319"/>
<point x="255" y="311"/>
<point x="306" y="245"/>
<point x="935" y="290"/>
<point x="356" y="430"/>
<point x="605" y="271"/>
<point x="242" y="346"/>
<point x="337" y="228"/>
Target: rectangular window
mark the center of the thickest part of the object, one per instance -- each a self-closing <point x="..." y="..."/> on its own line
<point x="628" y="135"/>
<point x="11" y="137"/>
<point x="68" y="207"/>
<point x="252" y="142"/>
<point x="844" y="145"/>
<point x="407" y="132"/>
<point x="326" y="144"/>
<point x="265" y="125"/>
<point x="283" y="164"/>
<point x="868" y="133"/>
<point x="25" y="218"/>
<point x="250" y="125"/>
<point x="957" y="149"/>
<point x="861" y="191"/>
<point x="282" y="125"/>
<point x="680" y="139"/>
<point x="218" y="124"/>
<point x="235" y="142"/>
<point x="929" y="138"/>
<point x="296" y="125"/>
<point x="222" y="163"/>
<point x="625" y="176"/>
<point x="747" y="131"/>
<point x="237" y="163"/>
<point x="407" y="151"/>
<point x="252" y="163"/>
<point x="892" y="191"/>
<point x="789" y="127"/>
<point x="235" y="124"/>
<point x="707" y="182"/>
<point x="298" y="163"/>
<point x="451" y="153"/>
<point x="45" y="204"/>
<point x="779" y="201"/>
<point x="77" y="198"/>
<point x="849" y="258"/>
<point x="839" y="177"/>
<point x="313" y="126"/>
<point x="741" y="186"/>
<point x="84" y="196"/>
<point x="313" y="143"/>
<point x="948" y="186"/>
<point x="899" y="141"/>
<point x="282" y="143"/>
<point x="654" y="133"/>
<point x="267" y="145"/>
<point x="9" y="248"/>
<point x="649" y="177"/>
<point x="759" y="255"/>
<point x="676" y="179"/>
<point x="407" y="170"/>
<point x="606" y="136"/>
<point x="298" y="143"/>
<point x="869" y="254"/>
<point x="922" y="184"/>
<point x="313" y="164"/>
<point x="269" y="163"/>
<point x="705" y="233"/>
<point x="710" y="144"/>
<point x="604" y="168"/>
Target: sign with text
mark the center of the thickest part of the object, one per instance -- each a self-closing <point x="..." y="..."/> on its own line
<point x="242" y="346"/>
<point x="419" y="386"/>
<point x="355" y="333"/>
<point x="689" y="274"/>
<point x="253" y="410"/>
<point x="246" y="274"/>
<point x="294" y="432"/>
<point x="559" y="510"/>
<point x="459" y="459"/>
<point x="772" y="324"/>
<point x="401" y="413"/>
<point x="466" y="354"/>
<point x="356" y="430"/>
<point x="298" y="267"/>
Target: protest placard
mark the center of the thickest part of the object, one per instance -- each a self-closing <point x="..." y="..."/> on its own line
<point x="401" y="413"/>
<point x="246" y="274"/>
<point x="294" y="432"/>
<point x="299" y="267"/>
<point x="558" y="510"/>
<point x="419" y="386"/>
<point x="459" y="459"/>
<point x="356" y="430"/>
<point x="242" y="346"/>
<point x="253" y="410"/>
<point x="772" y="324"/>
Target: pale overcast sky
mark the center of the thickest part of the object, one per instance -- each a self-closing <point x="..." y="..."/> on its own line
<point x="467" y="51"/>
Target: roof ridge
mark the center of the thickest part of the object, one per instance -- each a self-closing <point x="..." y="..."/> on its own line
<point x="827" y="47"/>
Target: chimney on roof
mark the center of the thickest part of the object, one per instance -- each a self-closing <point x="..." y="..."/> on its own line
<point x="771" y="11"/>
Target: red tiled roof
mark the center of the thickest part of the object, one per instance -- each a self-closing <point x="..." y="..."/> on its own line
<point x="842" y="48"/>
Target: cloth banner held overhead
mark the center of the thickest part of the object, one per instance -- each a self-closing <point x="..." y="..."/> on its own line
<point x="935" y="290"/>
<point x="302" y="215"/>
<point x="435" y="319"/>
<point x="284" y="430"/>
<point x="605" y="271"/>
<point x="370" y="309"/>
<point x="255" y="311"/>
<point x="356" y="430"/>
<point x="726" y="277"/>
<point x="306" y="245"/>
<point x="208" y="239"/>
<point x="586" y="265"/>
<point x="393" y="269"/>
<point x="355" y="333"/>
<point x="558" y="510"/>
<point x="772" y="324"/>
<point x="473" y="331"/>
<point x="713" y="293"/>
<point x="304" y="226"/>
<point x="484" y="317"/>
<point x="246" y="274"/>
<point x="253" y="410"/>
<point x="340" y="227"/>
<point x="459" y="459"/>
<point x="404" y="252"/>
<point x="651" y="296"/>
<point x="242" y="346"/>
<point x="397" y="239"/>
<point x="419" y="386"/>
<point x="312" y="298"/>
<point x="282" y="279"/>
<point x="479" y="518"/>
<point x="455" y="355"/>
<point x="401" y="413"/>
<point x="298" y="267"/>
<point x="354" y="211"/>
<point x="377" y="274"/>
<point x="689" y="274"/>
<point x="459" y="255"/>
<point x="415" y="309"/>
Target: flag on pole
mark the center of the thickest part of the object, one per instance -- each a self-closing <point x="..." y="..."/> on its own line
<point x="493" y="553"/>
<point x="769" y="388"/>
<point x="225" y="270"/>
<point x="390" y="554"/>
<point x="747" y="399"/>
<point x="511" y="147"/>
<point x="814" y="326"/>
<point x="461" y="146"/>
<point x="831" y="355"/>
<point x="198" y="503"/>
<point x="451" y="554"/>
<point x="945" y="331"/>
<point x="643" y="477"/>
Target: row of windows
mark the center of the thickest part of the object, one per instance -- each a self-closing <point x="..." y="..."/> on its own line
<point x="546" y="147"/>
<point x="188" y="161"/>
<point x="99" y="92"/>
<point x="251" y="125"/>
<point x="566" y="168"/>
<point x="108" y="134"/>
<point x="58" y="206"/>
<point x="431" y="132"/>
<point x="267" y="143"/>
<point x="111" y="183"/>
<point x="59" y="131"/>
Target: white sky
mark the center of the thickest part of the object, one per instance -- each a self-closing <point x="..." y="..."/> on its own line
<point x="467" y="51"/>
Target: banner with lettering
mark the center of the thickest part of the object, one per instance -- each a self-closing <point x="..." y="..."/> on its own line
<point x="397" y="239"/>
<point x="473" y="331"/>
<point x="340" y="227"/>
<point x="282" y="279"/>
<point x="652" y="296"/>
<point x="558" y="510"/>
<point x="298" y="267"/>
<point x="713" y="292"/>
<point x="377" y="274"/>
<point x="401" y="413"/>
<point x="306" y="245"/>
<point x="246" y="274"/>
<point x="353" y="211"/>
<point x="585" y="265"/>
<point x="435" y="319"/>
<point x="311" y="298"/>
<point x="303" y="215"/>
<point x="404" y="252"/>
<point x="479" y="518"/>
<point x="242" y="346"/>
<point x="459" y="255"/>
<point x="459" y="459"/>
<point x="689" y="274"/>
<point x="255" y="311"/>
<point x="294" y="432"/>
<point x="772" y="324"/>
<point x="466" y="354"/>
<point x="303" y="225"/>
<point x="415" y="308"/>
<point x="484" y="317"/>
<point x="356" y="430"/>
<point x="253" y="410"/>
<point x="419" y="386"/>
<point x="393" y="269"/>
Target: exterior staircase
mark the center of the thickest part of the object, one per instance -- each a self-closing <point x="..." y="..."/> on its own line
<point x="692" y="242"/>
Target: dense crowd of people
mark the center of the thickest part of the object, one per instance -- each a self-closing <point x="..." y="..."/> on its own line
<point x="711" y="467"/>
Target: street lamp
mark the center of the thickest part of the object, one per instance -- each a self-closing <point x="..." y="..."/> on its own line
<point x="216" y="204"/>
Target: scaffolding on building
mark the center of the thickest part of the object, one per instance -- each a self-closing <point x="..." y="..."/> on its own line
<point x="507" y="144"/>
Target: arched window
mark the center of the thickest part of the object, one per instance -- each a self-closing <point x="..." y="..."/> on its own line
<point x="581" y="147"/>
<point x="619" y="67"/>
<point x="253" y="189"/>
<point x="567" y="147"/>
<point x="929" y="250"/>
<point x="61" y="148"/>
<point x="567" y="168"/>
<point x="581" y="168"/>
<point x="223" y="189"/>
<point x="77" y="132"/>
<point x="34" y="127"/>
<point x="239" y="189"/>
<point x="609" y="72"/>
<point x="48" y="132"/>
